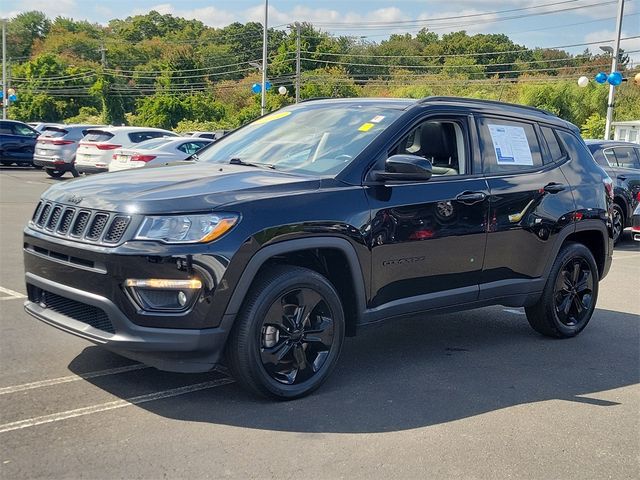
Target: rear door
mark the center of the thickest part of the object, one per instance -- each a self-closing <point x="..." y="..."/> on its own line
<point x="530" y="202"/>
<point x="628" y="173"/>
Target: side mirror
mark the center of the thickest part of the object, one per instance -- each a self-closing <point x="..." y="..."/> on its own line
<point x="401" y="168"/>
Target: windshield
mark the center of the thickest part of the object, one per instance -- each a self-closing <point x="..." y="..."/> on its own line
<point x="308" y="139"/>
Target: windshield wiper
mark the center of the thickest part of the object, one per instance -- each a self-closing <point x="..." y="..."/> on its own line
<point x="238" y="161"/>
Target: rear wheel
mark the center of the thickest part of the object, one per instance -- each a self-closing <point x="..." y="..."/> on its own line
<point x="288" y="336"/>
<point x="54" y="173"/>
<point x="570" y="294"/>
<point x="618" y="223"/>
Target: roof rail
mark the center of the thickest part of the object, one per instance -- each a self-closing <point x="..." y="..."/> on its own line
<point x="315" y="98"/>
<point x="481" y="101"/>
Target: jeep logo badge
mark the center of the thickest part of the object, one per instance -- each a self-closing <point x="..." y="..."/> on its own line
<point x="75" y="199"/>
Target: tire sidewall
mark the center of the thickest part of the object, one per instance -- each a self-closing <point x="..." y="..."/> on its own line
<point x="618" y="209"/>
<point x="272" y="293"/>
<point x="568" y="254"/>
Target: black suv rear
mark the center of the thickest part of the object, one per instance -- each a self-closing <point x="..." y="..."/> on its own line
<point x="303" y="226"/>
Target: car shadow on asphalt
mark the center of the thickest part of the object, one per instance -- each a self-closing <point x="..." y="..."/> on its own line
<point x="414" y="372"/>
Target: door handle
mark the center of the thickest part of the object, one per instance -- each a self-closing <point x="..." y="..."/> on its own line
<point x="554" y="187"/>
<point x="622" y="177"/>
<point x="469" y="198"/>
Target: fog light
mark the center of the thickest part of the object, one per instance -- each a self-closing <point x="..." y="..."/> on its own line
<point x="156" y="294"/>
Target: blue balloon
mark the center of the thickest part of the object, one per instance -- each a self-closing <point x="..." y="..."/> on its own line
<point x="615" y="78"/>
<point x="601" y="77"/>
<point x="256" y="88"/>
<point x="13" y="98"/>
<point x="267" y="86"/>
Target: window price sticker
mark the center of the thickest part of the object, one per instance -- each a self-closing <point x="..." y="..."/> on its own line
<point x="510" y="145"/>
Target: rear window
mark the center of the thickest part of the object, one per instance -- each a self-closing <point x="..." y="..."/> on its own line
<point x="97" y="136"/>
<point x="137" y="137"/>
<point x="54" y="132"/>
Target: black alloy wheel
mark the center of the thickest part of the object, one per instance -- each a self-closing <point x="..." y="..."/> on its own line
<point x="287" y="338"/>
<point x="569" y="297"/>
<point x="574" y="292"/>
<point x="617" y="220"/>
<point x="54" y="173"/>
<point x="296" y="336"/>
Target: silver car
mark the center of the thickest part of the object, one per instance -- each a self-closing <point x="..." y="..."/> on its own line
<point x="56" y="148"/>
<point x="157" y="151"/>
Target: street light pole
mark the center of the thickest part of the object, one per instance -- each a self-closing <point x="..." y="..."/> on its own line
<point x="263" y="90"/>
<point x="297" y="24"/>
<point x="4" y="69"/>
<point x="614" y="66"/>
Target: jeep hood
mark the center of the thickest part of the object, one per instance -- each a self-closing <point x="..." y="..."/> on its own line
<point x="186" y="187"/>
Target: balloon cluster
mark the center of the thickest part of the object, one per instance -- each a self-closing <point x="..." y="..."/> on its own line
<point x="11" y="94"/>
<point x="257" y="87"/>
<point x="614" y="78"/>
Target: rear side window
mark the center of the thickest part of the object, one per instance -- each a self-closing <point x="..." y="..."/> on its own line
<point x="508" y="146"/>
<point x="191" y="147"/>
<point x="626" y="157"/>
<point x="137" y="137"/>
<point x="555" y="150"/>
<point x="574" y="147"/>
<point x="54" y="132"/>
<point x="98" y="136"/>
<point x="149" y="144"/>
<point x="610" y="156"/>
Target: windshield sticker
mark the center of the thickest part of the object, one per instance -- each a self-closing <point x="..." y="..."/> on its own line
<point x="365" y="127"/>
<point x="271" y="118"/>
<point x="377" y="119"/>
<point x="511" y="145"/>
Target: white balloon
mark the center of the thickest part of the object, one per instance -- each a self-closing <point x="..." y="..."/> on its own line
<point x="282" y="90"/>
<point x="583" y="82"/>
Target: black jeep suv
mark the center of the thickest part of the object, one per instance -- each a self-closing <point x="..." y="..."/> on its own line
<point x="301" y="227"/>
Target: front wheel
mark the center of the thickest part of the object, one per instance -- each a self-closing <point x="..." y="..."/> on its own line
<point x="54" y="173"/>
<point x="570" y="294"/>
<point x="288" y="336"/>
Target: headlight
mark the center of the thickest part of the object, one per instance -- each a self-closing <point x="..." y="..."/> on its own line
<point x="186" y="228"/>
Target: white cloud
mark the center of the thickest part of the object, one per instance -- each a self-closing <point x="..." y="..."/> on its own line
<point x="63" y="8"/>
<point x="323" y="15"/>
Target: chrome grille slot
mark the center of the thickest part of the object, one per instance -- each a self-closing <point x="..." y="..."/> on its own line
<point x="36" y="212"/>
<point x="116" y="229"/>
<point x="44" y="214"/>
<point x="65" y="222"/>
<point x="53" y="219"/>
<point x="80" y="224"/>
<point x="97" y="226"/>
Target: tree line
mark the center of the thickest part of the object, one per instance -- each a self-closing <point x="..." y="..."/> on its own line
<point x="165" y="71"/>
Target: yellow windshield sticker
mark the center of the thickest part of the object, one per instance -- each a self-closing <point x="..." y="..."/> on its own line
<point x="365" y="127"/>
<point x="271" y="118"/>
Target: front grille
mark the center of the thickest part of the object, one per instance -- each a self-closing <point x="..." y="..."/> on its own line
<point x="80" y="224"/>
<point x="79" y="311"/>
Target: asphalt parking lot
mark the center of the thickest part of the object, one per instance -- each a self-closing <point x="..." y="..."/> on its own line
<point x="467" y="395"/>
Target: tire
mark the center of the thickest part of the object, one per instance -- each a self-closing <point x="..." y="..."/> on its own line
<point x="567" y="304"/>
<point x="54" y="173"/>
<point x="277" y="322"/>
<point x="618" y="223"/>
<point x="75" y="173"/>
<point x="37" y="167"/>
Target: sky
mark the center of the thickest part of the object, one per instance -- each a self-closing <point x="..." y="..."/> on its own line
<point x="594" y="21"/>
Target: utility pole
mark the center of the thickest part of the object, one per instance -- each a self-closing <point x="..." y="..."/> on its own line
<point x="614" y="66"/>
<point x="103" y="52"/>
<point x="4" y="69"/>
<point x="297" y="24"/>
<point x="263" y="90"/>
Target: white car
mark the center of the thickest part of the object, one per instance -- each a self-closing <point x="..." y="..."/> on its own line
<point x="157" y="152"/>
<point x="96" y="149"/>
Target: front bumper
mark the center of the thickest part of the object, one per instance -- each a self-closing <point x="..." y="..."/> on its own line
<point x="170" y="349"/>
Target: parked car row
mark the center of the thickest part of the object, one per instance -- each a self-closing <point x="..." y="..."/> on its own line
<point x="89" y="149"/>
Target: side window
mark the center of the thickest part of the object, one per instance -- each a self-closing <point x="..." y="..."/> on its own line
<point x="626" y="157"/>
<point x="5" y="128"/>
<point x="442" y="142"/>
<point x="189" y="148"/>
<point x="610" y="156"/>
<point x="574" y="147"/>
<point x="508" y="146"/>
<point x="24" y="131"/>
<point x="137" y="137"/>
<point x="555" y="150"/>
